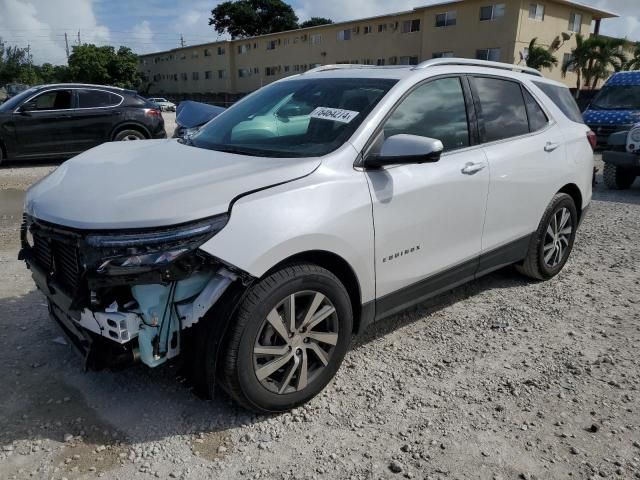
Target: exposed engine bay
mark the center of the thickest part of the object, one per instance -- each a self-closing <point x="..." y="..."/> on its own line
<point x="127" y="296"/>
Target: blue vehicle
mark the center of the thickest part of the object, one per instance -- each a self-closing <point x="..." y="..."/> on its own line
<point x="616" y="108"/>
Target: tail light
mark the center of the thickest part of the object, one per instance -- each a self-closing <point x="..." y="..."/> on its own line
<point x="593" y="140"/>
<point x="153" y="112"/>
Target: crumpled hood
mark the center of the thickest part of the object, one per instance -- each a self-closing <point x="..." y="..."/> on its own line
<point x="152" y="183"/>
<point x="611" y="117"/>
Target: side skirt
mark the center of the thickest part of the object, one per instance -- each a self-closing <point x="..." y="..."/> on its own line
<point x="406" y="297"/>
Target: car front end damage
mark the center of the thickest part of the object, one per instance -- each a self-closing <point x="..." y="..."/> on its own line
<point x="123" y="296"/>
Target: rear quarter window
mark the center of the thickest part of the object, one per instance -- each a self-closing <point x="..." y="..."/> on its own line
<point x="563" y="99"/>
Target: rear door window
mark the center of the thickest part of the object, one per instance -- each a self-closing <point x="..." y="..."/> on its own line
<point x="537" y="118"/>
<point x="502" y="112"/>
<point x="563" y="99"/>
<point x="97" y="99"/>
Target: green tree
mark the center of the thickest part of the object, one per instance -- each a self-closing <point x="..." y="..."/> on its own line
<point x="248" y="18"/>
<point x="103" y="65"/>
<point x="15" y="64"/>
<point x="315" y="21"/>
<point x="539" y="57"/>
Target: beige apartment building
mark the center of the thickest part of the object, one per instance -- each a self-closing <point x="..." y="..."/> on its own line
<point x="491" y="30"/>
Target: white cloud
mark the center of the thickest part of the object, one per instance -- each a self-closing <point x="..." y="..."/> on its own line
<point x="42" y="24"/>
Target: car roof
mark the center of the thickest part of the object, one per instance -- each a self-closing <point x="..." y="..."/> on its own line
<point x="426" y="69"/>
<point x="625" y="78"/>
<point x="81" y="85"/>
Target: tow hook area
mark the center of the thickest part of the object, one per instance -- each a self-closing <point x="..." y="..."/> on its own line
<point x="159" y="313"/>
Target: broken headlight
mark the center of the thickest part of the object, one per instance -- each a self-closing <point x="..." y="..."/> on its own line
<point x="134" y="252"/>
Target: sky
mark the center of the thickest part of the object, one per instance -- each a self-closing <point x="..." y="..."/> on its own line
<point x="153" y="25"/>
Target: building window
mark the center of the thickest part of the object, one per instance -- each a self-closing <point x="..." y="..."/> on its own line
<point x="492" y="12"/>
<point x="244" y="48"/>
<point x="244" y="72"/>
<point x="270" y="71"/>
<point x="184" y="76"/>
<point x="536" y="12"/>
<point x="316" y="38"/>
<point x="256" y="70"/>
<point x="207" y="75"/>
<point x="566" y="60"/>
<point x="271" y="45"/>
<point x="344" y="34"/>
<point x="447" y="19"/>
<point x="221" y="51"/>
<point x="382" y="27"/>
<point x="222" y="74"/>
<point x="366" y="61"/>
<point x="492" y="54"/>
<point x="409" y="26"/>
<point x="194" y="55"/>
<point x="286" y="68"/>
<point x="207" y="52"/>
<point x="408" y="60"/>
<point x="367" y="29"/>
<point x="443" y="55"/>
<point x="183" y="56"/>
<point x="575" y="22"/>
<point x="380" y="62"/>
<point x="195" y="76"/>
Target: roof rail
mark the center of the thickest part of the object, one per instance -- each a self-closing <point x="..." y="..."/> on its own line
<point x="437" y="62"/>
<point x="338" y="66"/>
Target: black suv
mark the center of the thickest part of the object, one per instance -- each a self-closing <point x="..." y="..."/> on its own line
<point x="59" y="121"/>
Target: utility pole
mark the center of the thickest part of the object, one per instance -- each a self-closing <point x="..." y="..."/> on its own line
<point x="66" y="45"/>
<point x="181" y="41"/>
<point x="79" y="41"/>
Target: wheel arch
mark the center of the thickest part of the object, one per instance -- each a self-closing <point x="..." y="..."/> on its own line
<point x="340" y="268"/>
<point x="130" y="126"/>
<point x="574" y="192"/>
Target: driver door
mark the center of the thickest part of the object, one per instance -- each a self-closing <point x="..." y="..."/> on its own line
<point x="428" y="217"/>
<point x="44" y="124"/>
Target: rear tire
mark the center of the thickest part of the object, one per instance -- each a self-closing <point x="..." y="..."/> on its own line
<point x="129" y="135"/>
<point x="552" y="243"/>
<point x="275" y="361"/>
<point x="617" y="178"/>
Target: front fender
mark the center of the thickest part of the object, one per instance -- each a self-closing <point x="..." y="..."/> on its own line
<point x="327" y="210"/>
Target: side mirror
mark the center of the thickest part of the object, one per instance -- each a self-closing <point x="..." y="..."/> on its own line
<point x="288" y="110"/>
<point x="405" y="149"/>
<point x="28" y="107"/>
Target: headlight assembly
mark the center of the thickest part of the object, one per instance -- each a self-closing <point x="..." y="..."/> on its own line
<point x="634" y="135"/>
<point x="133" y="252"/>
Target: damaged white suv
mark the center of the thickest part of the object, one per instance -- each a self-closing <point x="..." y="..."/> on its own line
<point x="310" y="209"/>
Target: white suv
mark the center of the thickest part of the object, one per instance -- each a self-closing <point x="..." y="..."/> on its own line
<point x="257" y="247"/>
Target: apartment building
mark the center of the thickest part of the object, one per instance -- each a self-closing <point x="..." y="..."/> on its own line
<point x="484" y="29"/>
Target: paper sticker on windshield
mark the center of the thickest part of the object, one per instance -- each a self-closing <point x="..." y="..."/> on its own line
<point x="335" y="114"/>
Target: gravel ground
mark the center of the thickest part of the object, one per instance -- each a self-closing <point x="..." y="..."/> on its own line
<point x="500" y="379"/>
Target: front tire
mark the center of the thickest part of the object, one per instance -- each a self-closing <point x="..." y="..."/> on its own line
<point x="288" y="338"/>
<point x="617" y="178"/>
<point x="552" y="243"/>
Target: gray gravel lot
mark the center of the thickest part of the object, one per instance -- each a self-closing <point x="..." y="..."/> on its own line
<point x="502" y="378"/>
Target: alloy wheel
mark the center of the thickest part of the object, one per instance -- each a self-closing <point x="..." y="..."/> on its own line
<point x="557" y="237"/>
<point x="129" y="138"/>
<point x="295" y="342"/>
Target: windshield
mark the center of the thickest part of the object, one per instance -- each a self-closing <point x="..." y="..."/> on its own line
<point x="294" y="118"/>
<point x="618" y="97"/>
<point x="13" y="102"/>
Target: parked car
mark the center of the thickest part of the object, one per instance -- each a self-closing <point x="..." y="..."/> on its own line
<point x="258" y="257"/>
<point x="164" y="104"/>
<point x="622" y="159"/>
<point x="59" y="121"/>
<point x="616" y="107"/>
<point x="190" y="116"/>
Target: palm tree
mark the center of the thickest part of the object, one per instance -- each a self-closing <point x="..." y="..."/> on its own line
<point x="578" y="61"/>
<point x="606" y="52"/>
<point x="539" y="57"/>
<point x="634" y="62"/>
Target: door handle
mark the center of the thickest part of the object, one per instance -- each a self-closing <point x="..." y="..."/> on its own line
<point x="550" y="146"/>
<point x="470" y="168"/>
